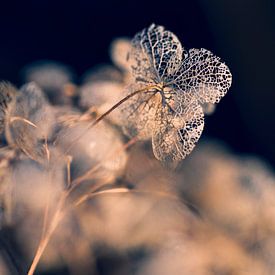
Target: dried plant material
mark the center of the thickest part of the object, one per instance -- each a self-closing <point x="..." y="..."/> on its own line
<point x="208" y="251"/>
<point x="101" y="145"/>
<point x="49" y="75"/>
<point x="33" y="192"/>
<point x="120" y="49"/>
<point x="178" y="83"/>
<point x="204" y="75"/>
<point x="138" y="115"/>
<point x="53" y="77"/>
<point x="208" y="108"/>
<point x="100" y="96"/>
<point x="30" y="122"/>
<point x="7" y="156"/>
<point x="65" y="116"/>
<point x="81" y="187"/>
<point x="236" y="194"/>
<point x="7" y="101"/>
<point x="148" y="219"/>
<point x="174" y="138"/>
<point x="146" y="173"/>
<point x="36" y="188"/>
<point x="103" y="85"/>
<point x="102" y="89"/>
<point x="102" y="73"/>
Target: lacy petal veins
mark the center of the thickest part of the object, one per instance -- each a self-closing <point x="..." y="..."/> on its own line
<point x="177" y="83"/>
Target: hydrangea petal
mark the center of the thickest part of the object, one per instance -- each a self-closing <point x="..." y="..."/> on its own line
<point x="204" y="75"/>
<point x="156" y="54"/>
<point x="175" y="135"/>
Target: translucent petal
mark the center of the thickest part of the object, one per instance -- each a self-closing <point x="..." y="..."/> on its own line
<point x="156" y="54"/>
<point x="138" y="113"/>
<point x="204" y="75"/>
<point x="176" y="134"/>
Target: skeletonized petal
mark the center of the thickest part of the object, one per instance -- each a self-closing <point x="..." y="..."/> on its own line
<point x="138" y="113"/>
<point x="156" y="53"/>
<point x="175" y="135"/>
<point x="204" y="75"/>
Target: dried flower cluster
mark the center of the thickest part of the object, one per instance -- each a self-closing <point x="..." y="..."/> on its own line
<point x="79" y="197"/>
<point x="178" y="83"/>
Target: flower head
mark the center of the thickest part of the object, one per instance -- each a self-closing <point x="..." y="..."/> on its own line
<point x="26" y="118"/>
<point x="178" y="82"/>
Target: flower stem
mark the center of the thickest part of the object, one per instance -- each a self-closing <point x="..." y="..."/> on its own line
<point x="95" y="122"/>
<point x="59" y="213"/>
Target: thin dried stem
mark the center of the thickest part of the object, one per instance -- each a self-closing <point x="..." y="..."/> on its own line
<point x="46" y="147"/>
<point x="69" y="160"/>
<point x="8" y="130"/>
<point x="110" y="191"/>
<point x="121" y="191"/>
<point x="96" y="121"/>
<point x="46" y="212"/>
<point x="43" y="243"/>
<point x="16" y="118"/>
<point x="58" y="214"/>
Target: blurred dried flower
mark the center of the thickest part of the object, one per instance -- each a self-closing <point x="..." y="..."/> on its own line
<point x="53" y="78"/>
<point x="119" y="51"/>
<point x="80" y="188"/>
<point x="29" y="122"/>
<point x="7" y="101"/>
<point x="101" y="145"/>
<point x="100" y="96"/>
<point x="42" y="188"/>
<point x="103" y="86"/>
<point x="236" y="194"/>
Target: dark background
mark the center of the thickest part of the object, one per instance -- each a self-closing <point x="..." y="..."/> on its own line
<point x="79" y="33"/>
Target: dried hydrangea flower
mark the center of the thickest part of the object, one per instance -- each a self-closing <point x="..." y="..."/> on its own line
<point x="7" y="101"/>
<point x="27" y="118"/>
<point x="54" y="78"/>
<point x="119" y="51"/>
<point x="101" y="96"/>
<point x="103" y="86"/>
<point x="101" y="145"/>
<point x="178" y="83"/>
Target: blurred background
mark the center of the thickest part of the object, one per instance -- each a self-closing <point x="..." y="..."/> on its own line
<point x="78" y="33"/>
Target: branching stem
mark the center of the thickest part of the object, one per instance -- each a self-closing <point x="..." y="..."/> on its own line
<point x="59" y="211"/>
<point x="95" y="122"/>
